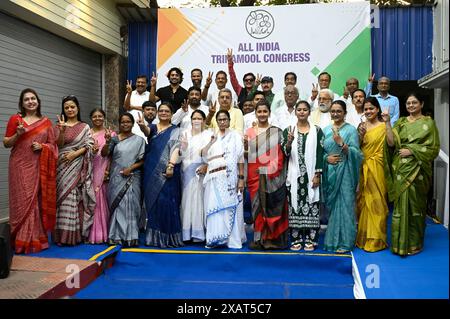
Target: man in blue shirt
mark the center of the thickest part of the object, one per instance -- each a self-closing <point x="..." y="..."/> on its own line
<point x="386" y="100"/>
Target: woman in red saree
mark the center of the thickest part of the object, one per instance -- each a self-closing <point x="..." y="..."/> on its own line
<point x="266" y="182"/>
<point x="32" y="175"/>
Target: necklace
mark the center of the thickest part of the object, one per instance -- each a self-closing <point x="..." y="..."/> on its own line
<point x="412" y="119"/>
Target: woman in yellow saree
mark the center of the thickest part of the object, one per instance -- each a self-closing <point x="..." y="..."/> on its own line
<point x="413" y="145"/>
<point x="372" y="210"/>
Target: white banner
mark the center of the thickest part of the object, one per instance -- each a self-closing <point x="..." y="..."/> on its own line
<point x="272" y="40"/>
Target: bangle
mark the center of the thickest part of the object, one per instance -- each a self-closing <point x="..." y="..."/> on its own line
<point x="341" y="145"/>
<point x="241" y="176"/>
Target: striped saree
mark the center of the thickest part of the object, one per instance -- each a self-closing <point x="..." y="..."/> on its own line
<point x="75" y="192"/>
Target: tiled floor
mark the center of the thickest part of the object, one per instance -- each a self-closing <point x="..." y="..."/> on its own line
<point x="31" y="277"/>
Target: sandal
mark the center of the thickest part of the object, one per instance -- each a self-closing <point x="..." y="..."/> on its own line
<point x="296" y="247"/>
<point x="309" y="247"/>
<point x="342" y="251"/>
<point x="255" y="246"/>
<point x="414" y="252"/>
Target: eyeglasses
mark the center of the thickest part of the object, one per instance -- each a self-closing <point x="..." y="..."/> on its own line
<point x="249" y="80"/>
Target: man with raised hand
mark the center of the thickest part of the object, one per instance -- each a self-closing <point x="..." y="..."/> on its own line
<point x="134" y="100"/>
<point x="174" y="93"/>
<point x="355" y="111"/>
<point x="211" y="94"/>
<point x="324" y="79"/>
<point x="248" y="79"/>
<point x="225" y="103"/>
<point x="387" y="101"/>
<point x="351" y="85"/>
<point x="183" y="115"/>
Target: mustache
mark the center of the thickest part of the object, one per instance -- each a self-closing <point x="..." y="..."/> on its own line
<point x="323" y="107"/>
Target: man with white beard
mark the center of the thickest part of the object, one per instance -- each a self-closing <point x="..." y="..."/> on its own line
<point x="321" y="115"/>
<point x="324" y="81"/>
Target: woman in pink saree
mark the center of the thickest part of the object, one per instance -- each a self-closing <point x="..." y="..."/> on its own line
<point x="100" y="175"/>
<point x="32" y="175"/>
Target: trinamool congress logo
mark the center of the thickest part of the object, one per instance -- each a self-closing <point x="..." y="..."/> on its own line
<point x="259" y="24"/>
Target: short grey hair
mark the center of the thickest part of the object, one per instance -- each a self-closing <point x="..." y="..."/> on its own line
<point x="227" y="90"/>
<point x="328" y="92"/>
<point x="295" y="89"/>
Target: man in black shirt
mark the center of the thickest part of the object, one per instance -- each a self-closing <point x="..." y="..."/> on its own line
<point x="173" y="93"/>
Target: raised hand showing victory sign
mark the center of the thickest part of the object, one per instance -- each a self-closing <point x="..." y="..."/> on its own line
<point x="230" y="55"/>
<point x="153" y="79"/>
<point x="346" y="93"/>
<point x="95" y="147"/>
<point x="385" y="116"/>
<point x="20" y="129"/>
<point x="209" y="79"/>
<point x="108" y="133"/>
<point x="129" y="87"/>
<point x="184" y="106"/>
<point x="61" y="125"/>
<point x="212" y="108"/>
<point x="314" y="91"/>
<point x="258" y="79"/>
<point x="291" y="136"/>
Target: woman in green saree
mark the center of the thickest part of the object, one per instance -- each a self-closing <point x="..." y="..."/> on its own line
<point x="413" y="145"/>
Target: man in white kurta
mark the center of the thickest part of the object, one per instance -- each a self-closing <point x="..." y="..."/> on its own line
<point x="134" y="100"/>
<point x="285" y="115"/>
<point x="321" y="115"/>
<point x="182" y="117"/>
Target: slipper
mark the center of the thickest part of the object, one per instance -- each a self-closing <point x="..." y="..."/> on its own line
<point x="309" y="247"/>
<point x="296" y="247"/>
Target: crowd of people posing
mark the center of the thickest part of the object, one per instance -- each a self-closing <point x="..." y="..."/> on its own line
<point x="180" y="172"/>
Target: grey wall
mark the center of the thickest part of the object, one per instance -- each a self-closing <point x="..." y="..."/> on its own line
<point x="54" y="67"/>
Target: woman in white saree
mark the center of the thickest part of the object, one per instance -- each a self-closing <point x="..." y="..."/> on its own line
<point x="224" y="185"/>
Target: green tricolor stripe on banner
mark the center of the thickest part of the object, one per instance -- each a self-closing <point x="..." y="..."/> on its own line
<point x="354" y="61"/>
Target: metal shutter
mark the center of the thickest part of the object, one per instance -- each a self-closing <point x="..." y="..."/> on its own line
<point x="54" y="67"/>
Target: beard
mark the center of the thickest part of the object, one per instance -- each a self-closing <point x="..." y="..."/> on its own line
<point x="194" y="102"/>
<point x="324" y="107"/>
<point x="149" y="119"/>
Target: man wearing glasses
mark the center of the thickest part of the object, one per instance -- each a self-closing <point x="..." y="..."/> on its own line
<point x="290" y="78"/>
<point x="249" y="81"/>
<point x="225" y="102"/>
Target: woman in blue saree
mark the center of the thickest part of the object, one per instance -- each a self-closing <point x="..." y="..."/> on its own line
<point x="162" y="183"/>
<point x="342" y="161"/>
<point x="124" y="188"/>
